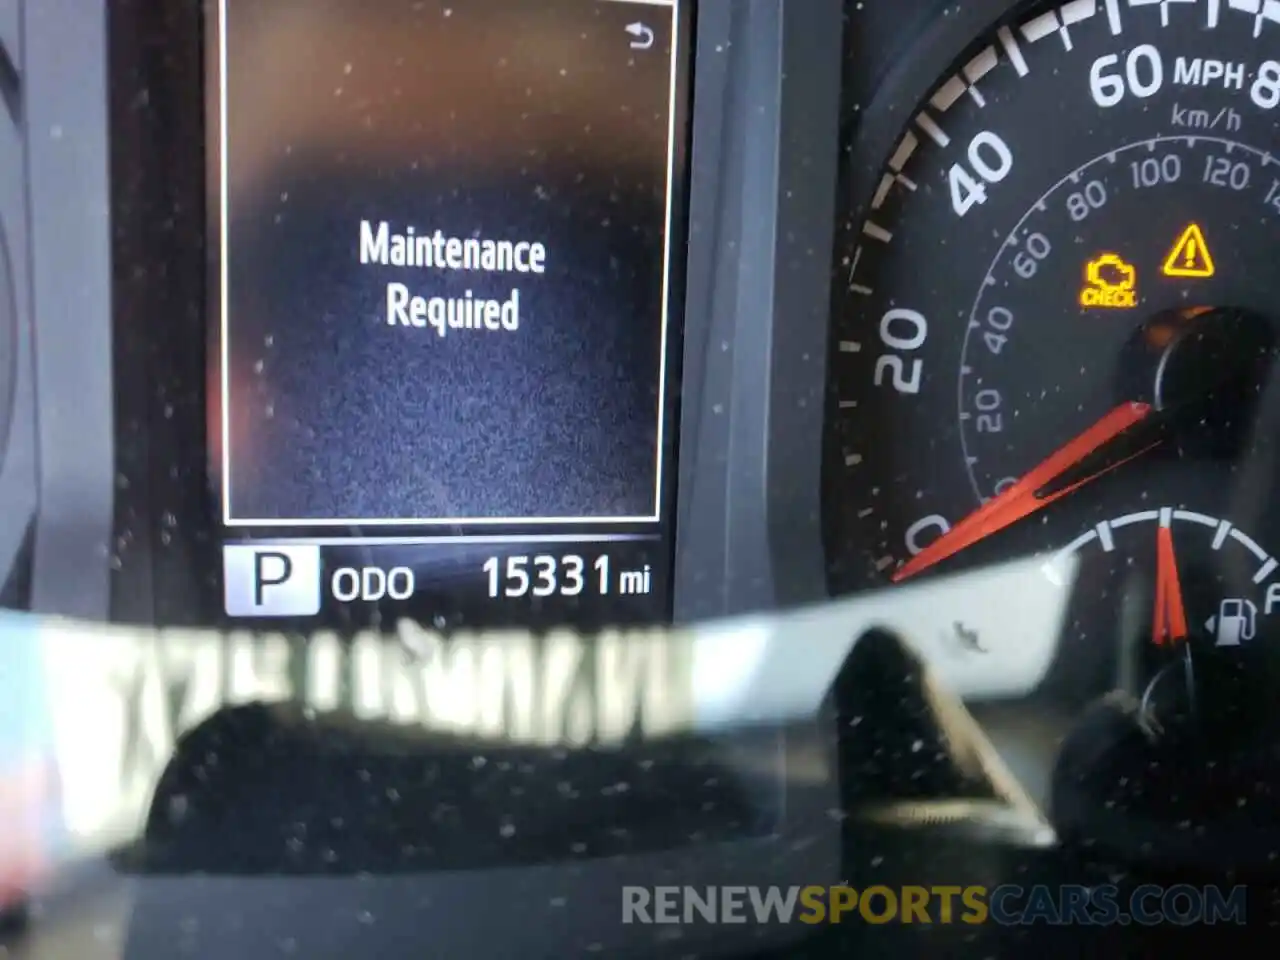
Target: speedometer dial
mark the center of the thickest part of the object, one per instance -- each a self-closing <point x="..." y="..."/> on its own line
<point x="1090" y="178"/>
<point x="1055" y="325"/>
<point x="1055" y="317"/>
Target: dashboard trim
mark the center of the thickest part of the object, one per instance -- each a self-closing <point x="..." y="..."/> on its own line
<point x="18" y="469"/>
<point x="766" y="71"/>
<point x="68" y="191"/>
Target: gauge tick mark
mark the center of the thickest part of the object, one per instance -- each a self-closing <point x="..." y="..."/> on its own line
<point x="1266" y="570"/>
<point x="948" y="94"/>
<point x="1037" y="28"/>
<point x="1104" y="536"/>
<point x="1078" y="11"/>
<point x="882" y="192"/>
<point x="905" y="149"/>
<point x="876" y="232"/>
<point x="1011" y="50"/>
<point x="1113" y="17"/>
<point x="931" y="128"/>
<point x="976" y="69"/>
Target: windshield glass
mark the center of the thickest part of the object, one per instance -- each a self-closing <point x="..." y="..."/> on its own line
<point x="637" y="477"/>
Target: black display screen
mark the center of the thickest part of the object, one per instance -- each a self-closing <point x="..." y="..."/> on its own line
<point x="446" y="254"/>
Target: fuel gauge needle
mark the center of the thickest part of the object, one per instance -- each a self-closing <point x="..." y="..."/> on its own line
<point x="1169" y="624"/>
<point x="1106" y="445"/>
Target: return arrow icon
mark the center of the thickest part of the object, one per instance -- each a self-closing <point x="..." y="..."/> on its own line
<point x="642" y="35"/>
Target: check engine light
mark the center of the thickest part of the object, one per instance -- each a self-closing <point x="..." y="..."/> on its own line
<point x="1109" y="282"/>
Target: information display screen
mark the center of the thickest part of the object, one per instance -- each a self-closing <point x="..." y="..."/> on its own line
<point x="447" y="291"/>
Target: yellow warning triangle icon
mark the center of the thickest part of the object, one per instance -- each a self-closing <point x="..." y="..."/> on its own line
<point x="1190" y="256"/>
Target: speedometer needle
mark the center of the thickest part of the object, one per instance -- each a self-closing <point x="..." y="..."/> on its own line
<point x="1097" y="451"/>
<point x="1170" y="620"/>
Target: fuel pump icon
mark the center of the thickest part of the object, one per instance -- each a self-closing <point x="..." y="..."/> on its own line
<point x="1236" y="621"/>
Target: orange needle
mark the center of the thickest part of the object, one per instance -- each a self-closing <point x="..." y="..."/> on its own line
<point x="1170" y="620"/>
<point x="1024" y="497"/>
